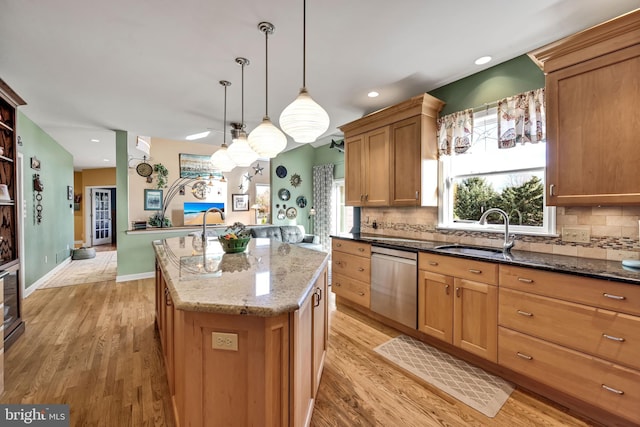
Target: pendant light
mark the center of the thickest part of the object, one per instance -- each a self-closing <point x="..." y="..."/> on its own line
<point x="304" y="119"/>
<point x="240" y="151"/>
<point x="267" y="140"/>
<point x="220" y="159"/>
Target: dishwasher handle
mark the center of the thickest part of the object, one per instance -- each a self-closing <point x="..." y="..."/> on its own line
<point x="390" y="258"/>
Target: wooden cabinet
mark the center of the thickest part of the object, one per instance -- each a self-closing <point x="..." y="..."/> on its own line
<point x="391" y="155"/>
<point x="13" y="324"/>
<point x="593" y="99"/>
<point x="272" y="378"/>
<point x="458" y="310"/>
<point x="578" y="335"/>
<point x="351" y="270"/>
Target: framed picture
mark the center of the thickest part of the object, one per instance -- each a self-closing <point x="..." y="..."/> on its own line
<point x="69" y="192"/>
<point x="35" y="163"/>
<point x="239" y="202"/>
<point x="196" y="165"/>
<point x="152" y="200"/>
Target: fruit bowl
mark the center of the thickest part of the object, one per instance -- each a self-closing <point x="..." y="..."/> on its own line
<point x="233" y="246"/>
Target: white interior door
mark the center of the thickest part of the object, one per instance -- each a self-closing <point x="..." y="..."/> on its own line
<point x="101" y="217"/>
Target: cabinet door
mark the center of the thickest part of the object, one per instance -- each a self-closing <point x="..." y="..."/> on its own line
<point x="406" y="156"/>
<point x="592" y="131"/>
<point x="320" y="329"/>
<point x="475" y="318"/>
<point x="302" y="364"/>
<point x="354" y="170"/>
<point x="435" y="305"/>
<point x="376" y="168"/>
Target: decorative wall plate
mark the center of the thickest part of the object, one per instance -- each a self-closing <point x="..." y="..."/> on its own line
<point x="284" y="194"/>
<point x="199" y="190"/>
<point x="301" y="201"/>
<point x="281" y="171"/>
<point x="144" y="169"/>
<point x="292" y="213"/>
<point x="296" y="180"/>
<point x="281" y="214"/>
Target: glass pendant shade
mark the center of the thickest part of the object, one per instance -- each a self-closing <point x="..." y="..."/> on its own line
<point x="267" y="140"/>
<point x="221" y="160"/>
<point x="241" y="153"/>
<point x="304" y="120"/>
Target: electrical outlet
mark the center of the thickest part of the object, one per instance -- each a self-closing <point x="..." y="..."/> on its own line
<point x="224" y="341"/>
<point x="45" y="259"/>
<point x="575" y="234"/>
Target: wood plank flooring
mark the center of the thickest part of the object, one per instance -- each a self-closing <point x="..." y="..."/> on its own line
<point x="95" y="347"/>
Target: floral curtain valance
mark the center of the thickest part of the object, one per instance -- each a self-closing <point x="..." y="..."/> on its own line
<point x="520" y="119"/>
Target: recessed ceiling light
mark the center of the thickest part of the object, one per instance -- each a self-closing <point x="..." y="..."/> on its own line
<point x="373" y="94"/>
<point x="482" y="60"/>
<point x="95" y="140"/>
<point x="105" y="160"/>
<point x="198" y="135"/>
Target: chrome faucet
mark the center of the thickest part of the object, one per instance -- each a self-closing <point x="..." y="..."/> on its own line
<point x="204" y="222"/>
<point x="508" y="240"/>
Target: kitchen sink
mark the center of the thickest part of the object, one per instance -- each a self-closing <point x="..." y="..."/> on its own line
<point x="470" y="250"/>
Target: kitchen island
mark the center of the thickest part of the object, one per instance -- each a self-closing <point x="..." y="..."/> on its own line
<point x="243" y="335"/>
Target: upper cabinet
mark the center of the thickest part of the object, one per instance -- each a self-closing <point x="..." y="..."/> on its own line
<point x="593" y="99"/>
<point x="391" y="155"/>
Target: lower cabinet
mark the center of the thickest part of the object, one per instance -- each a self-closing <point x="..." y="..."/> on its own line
<point x="270" y="380"/>
<point x="351" y="270"/>
<point x="459" y="311"/>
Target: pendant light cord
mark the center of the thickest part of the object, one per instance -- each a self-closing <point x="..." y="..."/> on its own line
<point x="266" y="74"/>
<point x="224" y="123"/>
<point x="304" y="43"/>
<point x="242" y="103"/>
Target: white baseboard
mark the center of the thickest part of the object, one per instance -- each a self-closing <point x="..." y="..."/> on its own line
<point x="41" y="281"/>
<point x="137" y="276"/>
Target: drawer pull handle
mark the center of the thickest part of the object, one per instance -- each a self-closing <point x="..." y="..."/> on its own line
<point x="433" y="263"/>
<point x="616" y="297"/>
<point x="338" y="262"/>
<point x="361" y="249"/>
<point x="612" y="338"/>
<point x="525" y="313"/>
<point x="612" y="390"/>
<point x="474" y="271"/>
<point x="525" y="280"/>
<point x="361" y="294"/>
<point x="446" y="289"/>
<point x="339" y="245"/>
<point x="360" y="269"/>
<point x="524" y="356"/>
<point x="338" y="284"/>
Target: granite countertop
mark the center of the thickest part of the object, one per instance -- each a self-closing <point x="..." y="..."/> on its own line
<point x="587" y="267"/>
<point x="268" y="279"/>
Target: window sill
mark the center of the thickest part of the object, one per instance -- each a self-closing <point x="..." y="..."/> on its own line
<point x="496" y="230"/>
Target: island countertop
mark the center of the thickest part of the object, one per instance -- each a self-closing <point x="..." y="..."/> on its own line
<point x="268" y="279"/>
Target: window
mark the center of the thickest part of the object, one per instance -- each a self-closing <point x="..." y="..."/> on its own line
<point x="342" y="216"/>
<point x="484" y="176"/>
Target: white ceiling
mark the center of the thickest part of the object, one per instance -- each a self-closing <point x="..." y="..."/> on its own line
<point x="86" y="67"/>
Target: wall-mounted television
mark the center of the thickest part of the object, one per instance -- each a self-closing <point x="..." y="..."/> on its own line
<point x="194" y="211"/>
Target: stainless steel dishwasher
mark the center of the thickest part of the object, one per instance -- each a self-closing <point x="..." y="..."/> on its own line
<point x="394" y="285"/>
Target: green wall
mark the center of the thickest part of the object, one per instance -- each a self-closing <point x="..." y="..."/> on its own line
<point x="509" y="78"/>
<point x="53" y="237"/>
<point x="324" y="155"/>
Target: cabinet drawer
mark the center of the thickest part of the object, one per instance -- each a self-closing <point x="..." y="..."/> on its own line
<point x="353" y="266"/>
<point x="597" y="382"/>
<point x="459" y="267"/>
<point x="600" y="332"/>
<point x="351" y="289"/>
<point x="351" y="247"/>
<point x="599" y="293"/>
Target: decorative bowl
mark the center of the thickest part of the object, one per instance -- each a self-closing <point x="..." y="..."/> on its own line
<point x="232" y="246"/>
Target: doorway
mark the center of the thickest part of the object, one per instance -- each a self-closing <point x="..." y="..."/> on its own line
<point x="100" y="216"/>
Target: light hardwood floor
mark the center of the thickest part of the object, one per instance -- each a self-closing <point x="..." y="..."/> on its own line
<point x="95" y="347"/>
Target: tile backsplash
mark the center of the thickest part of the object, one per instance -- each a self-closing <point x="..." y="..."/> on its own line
<point x="614" y="230"/>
